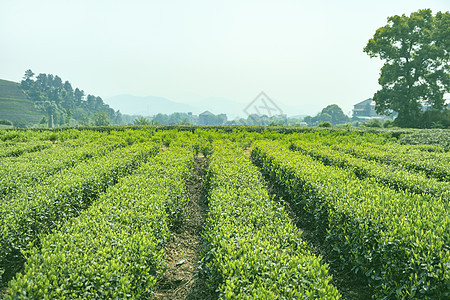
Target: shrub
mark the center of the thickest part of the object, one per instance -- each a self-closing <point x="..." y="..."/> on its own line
<point x="374" y="123"/>
<point x="325" y="124"/>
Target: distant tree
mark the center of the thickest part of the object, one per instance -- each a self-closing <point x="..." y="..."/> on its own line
<point x="416" y="51"/>
<point x="178" y="118"/>
<point x="90" y="102"/>
<point x="118" y="118"/>
<point x="252" y="119"/>
<point x="332" y="114"/>
<point x="141" y="121"/>
<point x="325" y="124"/>
<point x="374" y="123"/>
<point x="100" y="119"/>
<point x="28" y="75"/>
<point x="336" y="113"/>
<point x="161" y="119"/>
<point x="41" y="82"/>
<point x="57" y="83"/>
<point x="68" y="116"/>
<point x="78" y="94"/>
<point x="84" y="120"/>
<point x="308" y="120"/>
<point x="68" y="87"/>
<point x="27" y="80"/>
<point x="324" y="117"/>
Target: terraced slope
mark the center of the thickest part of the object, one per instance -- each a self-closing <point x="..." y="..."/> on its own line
<point x="15" y="105"/>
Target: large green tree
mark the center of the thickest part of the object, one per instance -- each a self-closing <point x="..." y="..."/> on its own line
<point x="336" y="113"/>
<point x="416" y="51"/>
<point x="332" y="113"/>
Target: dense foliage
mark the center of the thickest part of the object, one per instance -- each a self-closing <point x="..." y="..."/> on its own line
<point x="416" y="72"/>
<point x="65" y="104"/>
<point x="332" y="114"/>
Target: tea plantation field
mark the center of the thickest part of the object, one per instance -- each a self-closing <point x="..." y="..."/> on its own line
<point x="224" y="212"/>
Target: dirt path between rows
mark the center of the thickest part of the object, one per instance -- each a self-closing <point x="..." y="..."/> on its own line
<point x="184" y="278"/>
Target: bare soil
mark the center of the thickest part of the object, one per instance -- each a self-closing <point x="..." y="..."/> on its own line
<point x="184" y="278"/>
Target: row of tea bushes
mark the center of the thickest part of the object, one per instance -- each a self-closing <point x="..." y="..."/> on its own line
<point x="14" y="149"/>
<point x="435" y="165"/>
<point x="392" y="176"/>
<point x="430" y="137"/>
<point x="425" y="151"/>
<point x="28" y="136"/>
<point x="344" y="137"/>
<point x="19" y="173"/>
<point x="27" y="215"/>
<point x="113" y="250"/>
<point x="399" y="241"/>
<point x="254" y="251"/>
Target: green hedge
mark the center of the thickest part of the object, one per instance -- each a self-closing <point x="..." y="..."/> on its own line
<point x="114" y="249"/>
<point x="254" y="251"/>
<point x="67" y="149"/>
<point x="439" y="138"/>
<point x="11" y="150"/>
<point x="392" y="176"/>
<point x="39" y="209"/>
<point x="22" y="172"/>
<point x="436" y="165"/>
<point x="399" y="241"/>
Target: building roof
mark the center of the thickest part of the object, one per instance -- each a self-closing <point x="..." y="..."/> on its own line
<point x="365" y="102"/>
<point x="206" y="113"/>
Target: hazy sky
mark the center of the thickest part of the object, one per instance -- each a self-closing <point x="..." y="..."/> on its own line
<point x="303" y="54"/>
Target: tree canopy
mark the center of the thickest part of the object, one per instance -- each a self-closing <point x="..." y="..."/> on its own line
<point x="67" y="105"/>
<point x="416" y="71"/>
<point x="332" y="114"/>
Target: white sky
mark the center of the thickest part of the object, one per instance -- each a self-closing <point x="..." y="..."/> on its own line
<point x="303" y="54"/>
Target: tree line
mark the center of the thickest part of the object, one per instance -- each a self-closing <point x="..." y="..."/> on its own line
<point x="65" y="104"/>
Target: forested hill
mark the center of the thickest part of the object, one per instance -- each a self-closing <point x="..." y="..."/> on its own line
<point x="68" y="105"/>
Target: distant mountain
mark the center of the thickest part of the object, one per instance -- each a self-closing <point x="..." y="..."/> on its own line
<point x="146" y="106"/>
<point x="15" y="106"/>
